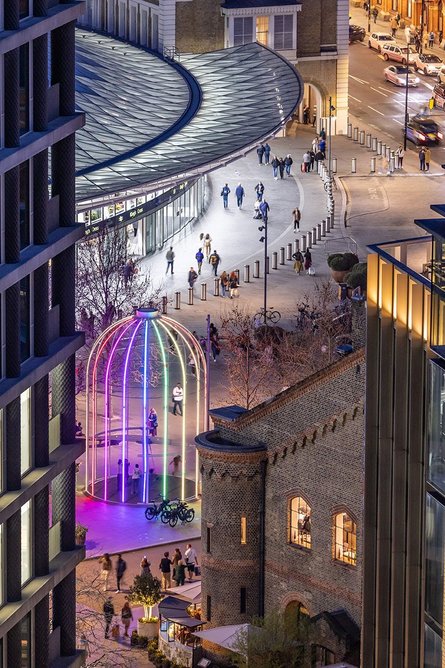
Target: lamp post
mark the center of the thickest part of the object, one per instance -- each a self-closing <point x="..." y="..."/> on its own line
<point x="408" y="37"/>
<point x="331" y="109"/>
<point x="422" y="25"/>
<point x="369" y="16"/>
<point x="263" y="239"/>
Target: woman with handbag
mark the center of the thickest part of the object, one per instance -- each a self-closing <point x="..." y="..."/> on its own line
<point x="298" y="262"/>
<point x="307" y="261"/>
<point x="126" y="617"/>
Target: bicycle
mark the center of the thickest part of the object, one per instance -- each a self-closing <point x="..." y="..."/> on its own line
<point x="179" y="512"/>
<point x="270" y="315"/>
<point x="153" y="511"/>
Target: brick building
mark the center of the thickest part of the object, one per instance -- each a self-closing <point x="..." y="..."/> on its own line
<point x="311" y="34"/>
<point x="282" y="494"/>
<point x="430" y="13"/>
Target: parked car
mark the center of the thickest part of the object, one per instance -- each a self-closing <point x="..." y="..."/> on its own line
<point x="377" y="39"/>
<point x="423" y="130"/>
<point x="441" y="75"/>
<point x="398" y="53"/>
<point x="427" y="63"/>
<point x="356" y="34"/>
<point x="396" y="74"/>
<point x="439" y="95"/>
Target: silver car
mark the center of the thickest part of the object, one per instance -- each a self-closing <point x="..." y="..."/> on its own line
<point x="396" y="74"/>
<point x="398" y="53"/>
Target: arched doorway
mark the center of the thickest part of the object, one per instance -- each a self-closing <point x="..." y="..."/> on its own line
<point x="296" y="613"/>
<point x="313" y="99"/>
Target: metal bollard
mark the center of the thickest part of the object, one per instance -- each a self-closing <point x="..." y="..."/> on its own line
<point x="334" y="165"/>
<point x="319" y="167"/>
<point x="383" y="149"/>
<point x="164" y="304"/>
<point x="318" y="231"/>
<point x="190" y="301"/>
<point x="216" y="287"/>
<point x="368" y="140"/>
<point x="267" y="265"/>
<point x="177" y="300"/>
<point x="355" y="137"/>
<point x="323" y="227"/>
<point x="349" y="130"/>
<point x="388" y="153"/>
<point x="282" y="249"/>
<point x="237" y="275"/>
<point x="247" y="273"/>
<point x="256" y="269"/>
<point x="303" y="243"/>
<point x="379" y="147"/>
<point x="354" y="165"/>
<point x="296" y="245"/>
<point x="203" y="292"/>
<point x="274" y="260"/>
<point x="391" y="165"/>
<point x="362" y="137"/>
<point x="374" y="144"/>
<point x="309" y="239"/>
<point x="372" y="165"/>
<point x="314" y="236"/>
<point x="289" y="252"/>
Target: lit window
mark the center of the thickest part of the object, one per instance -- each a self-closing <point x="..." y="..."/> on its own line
<point x="345" y="539"/>
<point x="25" y="431"/>
<point x="300" y="522"/>
<point x="243" y="531"/>
<point x="26" y="551"/>
<point x="262" y="30"/>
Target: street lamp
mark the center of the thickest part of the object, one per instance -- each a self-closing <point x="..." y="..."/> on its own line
<point x="263" y="239"/>
<point x="369" y="16"/>
<point x="331" y="109"/>
<point x="408" y="39"/>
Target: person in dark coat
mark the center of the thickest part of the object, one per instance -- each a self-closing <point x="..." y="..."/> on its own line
<point x="199" y="257"/>
<point x="239" y="192"/>
<point x="275" y="164"/>
<point x="312" y="154"/>
<point x="288" y="162"/>
<point x="214" y="260"/>
<point x="225" y="192"/>
<point x="121" y="567"/>
<point x="264" y="208"/>
<point x="108" y="610"/>
<point x="260" y="153"/>
<point x="259" y="190"/>
<point x="192" y="276"/>
<point x="266" y="153"/>
<point x="307" y="260"/>
<point x="281" y="167"/>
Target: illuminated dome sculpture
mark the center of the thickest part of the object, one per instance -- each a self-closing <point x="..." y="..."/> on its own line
<point x="133" y="368"/>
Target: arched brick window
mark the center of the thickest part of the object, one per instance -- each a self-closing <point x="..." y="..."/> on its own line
<point x="300" y="522"/>
<point x="344" y="544"/>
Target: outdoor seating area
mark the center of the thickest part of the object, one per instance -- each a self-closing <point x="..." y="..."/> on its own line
<point x="180" y="617"/>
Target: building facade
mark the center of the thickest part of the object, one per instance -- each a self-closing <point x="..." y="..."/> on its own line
<point x="429" y="13"/>
<point x="38" y="555"/>
<point x="404" y="564"/>
<point x="311" y="34"/>
<point x="282" y="493"/>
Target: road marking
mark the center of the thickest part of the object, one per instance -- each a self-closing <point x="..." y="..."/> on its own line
<point x="362" y="81"/>
<point x="430" y="86"/>
<point x="388" y="90"/>
<point x="355" y="98"/>
<point x="376" y="110"/>
<point x="399" y="122"/>
<point x="379" y="92"/>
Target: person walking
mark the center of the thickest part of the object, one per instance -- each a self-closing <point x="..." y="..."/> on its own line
<point x="178" y="396"/>
<point x="260" y="152"/>
<point x="126" y="617"/>
<point x="306" y="114"/>
<point x="180" y="573"/>
<point x="152" y="423"/>
<point x="233" y="287"/>
<point x="239" y="192"/>
<point x="214" y="260"/>
<point x="319" y="157"/>
<point x="175" y="561"/>
<point x="298" y="261"/>
<point x="422" y="159"/>
<point x="106" y="566"/>
<point x="224" y="281"/>
<point x="192" y="276"/>
<point x="312" y="157"/>
<point x="431" y="38"/>
<point x="215" y="345"/>
<point x="207" y="245"/>
<point x="170" y="257"/>
<point x="275" y="164"/>
<point x="315" y="144"/>
<point x="281" y="167"/>
<point x="121" y="567"/>
<point x="427" y="158"/>
<point x="307" y="260"/>
<point x="375" y="13"/>
<point x="225" y="192"/>
<point x="135" y="476"/>
<point x="191" y="560"/>
<point x="296" y="217"/>
<point x="400" y="154"/>
<point x="264" y="208"/>
<point x="175" y="463"/>
<point x="199" y="258"/>
<point x="322" y="147"/>
<point x="145" y="567"/>
<point x="259" y="190"/>
<point x="394" y="25"/>
<point x="108" y="610"/>
<point x="306" y="161"/>
<point x="165" y="568"/>
<point x="266" y="153"/>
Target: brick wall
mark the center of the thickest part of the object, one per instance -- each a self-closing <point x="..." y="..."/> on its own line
<point x="199" y="26"/>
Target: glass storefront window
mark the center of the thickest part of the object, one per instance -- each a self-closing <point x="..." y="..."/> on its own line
<point x="435" y="550"/>
<point x="24" y="205"/>
<point x="25" y="431"/>
<point x="433" y="649"/>
<point x="436" y="426"/>
<point x="24" y="88"/>
<point x="25" y="319"/>
<point x="26" y="548"/>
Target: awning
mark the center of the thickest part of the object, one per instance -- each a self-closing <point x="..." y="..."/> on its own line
<point x="172" y="607"/>
<point x="190" y="592"/>
<point x="225" y="636"/>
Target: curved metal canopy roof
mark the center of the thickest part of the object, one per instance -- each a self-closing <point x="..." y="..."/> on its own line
<point x="150" y="124"/>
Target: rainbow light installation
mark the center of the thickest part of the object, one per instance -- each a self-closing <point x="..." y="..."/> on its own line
<point x="117" y="407"/>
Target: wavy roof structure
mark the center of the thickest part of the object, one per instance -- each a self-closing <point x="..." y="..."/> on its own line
<point x="151" y="122"/>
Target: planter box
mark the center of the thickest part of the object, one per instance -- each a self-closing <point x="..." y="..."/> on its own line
<point x="148" y="629"/>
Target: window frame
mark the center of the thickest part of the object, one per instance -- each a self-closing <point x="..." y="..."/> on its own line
<point x="284" y="32"/>
<point x="300" y="543"/>
<point x="246" y="36"/>
<point x="338" y="549"/>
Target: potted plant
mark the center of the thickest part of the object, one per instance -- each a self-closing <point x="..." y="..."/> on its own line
<point x="146" y="591"/>
<point x="341" y="264"/>
<point x="81" y="534"/>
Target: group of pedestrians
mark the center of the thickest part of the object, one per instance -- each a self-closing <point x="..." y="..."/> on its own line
<point x="424" y="159"/>
<point x="229" y="284"/>
<point x="281" y="166"/>
<point x="263" y="152"/>
<point x="178" y="567"/>
<point x="303" y="262"/>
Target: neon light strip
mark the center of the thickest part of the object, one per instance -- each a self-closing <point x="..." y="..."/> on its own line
<point x="107" y="408"/>
<point x="124" y="410"/>
<point x="100" y="343"/>
<point x="165" y="410"/>
<point x="146" y="490"/>
<point x="184" y="407"/>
